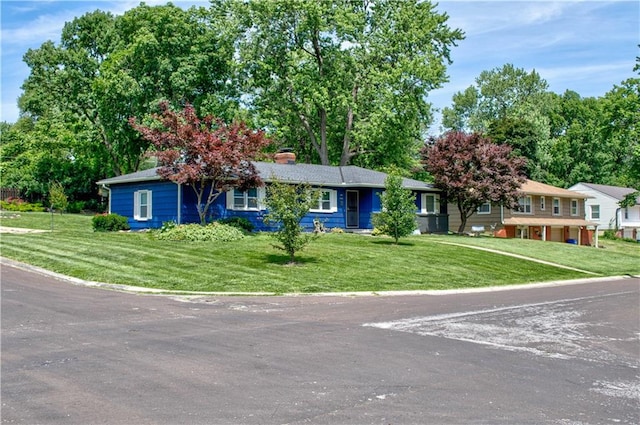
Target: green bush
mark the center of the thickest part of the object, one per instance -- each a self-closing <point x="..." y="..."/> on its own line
<point x="109" y="223"/>
<point x="214" y="232"/>
<point x="75" y="207"/>
<point x="17" y="204"/>
<point x="239" y="222"/>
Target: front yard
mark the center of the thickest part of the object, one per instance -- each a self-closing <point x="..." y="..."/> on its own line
<point x="335" y="262"/>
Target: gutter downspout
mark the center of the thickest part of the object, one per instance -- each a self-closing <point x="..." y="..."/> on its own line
<point x="179" y="203"/>
<point x="108" y="189"/>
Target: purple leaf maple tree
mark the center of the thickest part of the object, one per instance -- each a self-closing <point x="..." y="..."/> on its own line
<point x="472" y="170"/>
<point x="205" y="154"/>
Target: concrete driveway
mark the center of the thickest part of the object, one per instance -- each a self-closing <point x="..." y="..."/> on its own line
<point x="555" y="355"/>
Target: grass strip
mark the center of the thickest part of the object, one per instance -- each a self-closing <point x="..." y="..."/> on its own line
<point x="335" y="262"/>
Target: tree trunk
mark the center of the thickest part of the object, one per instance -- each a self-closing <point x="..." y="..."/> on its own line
<point x="463" y="219"/>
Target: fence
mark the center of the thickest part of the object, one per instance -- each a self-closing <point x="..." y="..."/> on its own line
<point x="9" y="192"/>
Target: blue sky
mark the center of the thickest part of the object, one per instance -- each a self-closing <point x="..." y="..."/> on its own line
<point x="585" y="46"/>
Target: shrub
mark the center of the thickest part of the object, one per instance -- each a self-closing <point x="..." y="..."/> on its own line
<point x="17" y="204"/>
<point x="214" y="232"/>
<point x="109" y="223"/>
<point x="75" y="207"/>
<point x="167" y="226"/>
<point x="239" y="222"/>
<point x="57" y="198"/>
<point x="398" y="216"/>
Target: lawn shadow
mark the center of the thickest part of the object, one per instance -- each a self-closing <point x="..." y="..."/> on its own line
<point x="392" y="243"/>
<point x="283" y="260"/>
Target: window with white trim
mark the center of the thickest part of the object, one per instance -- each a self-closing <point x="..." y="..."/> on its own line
<point x="327" y="201"/>
<point x="556" y="206"/>
<point x="574" y="207"/>
<point x="142" y="205"/>
<point x="430" y="203"/>
<point x="543" y="203"/>
<point x="524" y="205"/>
<point x="626" y="213"/>
<point x="484" y="208"/>
<point x="595" y="212"/>
<point x="245" y="200"/>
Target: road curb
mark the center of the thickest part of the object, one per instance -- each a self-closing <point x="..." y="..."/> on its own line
<point x="155" y="291"/>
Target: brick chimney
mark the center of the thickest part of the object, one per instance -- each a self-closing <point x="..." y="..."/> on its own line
<point x="285" y="156"/>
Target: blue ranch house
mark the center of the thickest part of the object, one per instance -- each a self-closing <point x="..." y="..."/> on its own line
<point x="348" y="198"/>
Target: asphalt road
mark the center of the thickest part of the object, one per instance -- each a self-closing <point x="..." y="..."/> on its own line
<point x="566" y="355"/>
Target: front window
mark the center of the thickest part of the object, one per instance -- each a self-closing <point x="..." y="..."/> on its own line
<point x="556" y="206"/>
<point x="327" y="202"/>
<point x="574" y="207"/>
<point x="430" y="203"/>
<point x="142" y="205"/>
<point x="245" y="199"/>
<point x="524" y="205"/>
<point x="484" y="208"/>
<point x="595" y="212"/>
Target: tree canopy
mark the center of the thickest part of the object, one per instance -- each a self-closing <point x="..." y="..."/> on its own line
<point x="342" y="80"/>
<point x="206" y="154"/>
<point x="106" y="69"/>
<point x="472" y="170"/>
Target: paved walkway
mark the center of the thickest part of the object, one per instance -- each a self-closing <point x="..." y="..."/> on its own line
<point x="508" y="254"/>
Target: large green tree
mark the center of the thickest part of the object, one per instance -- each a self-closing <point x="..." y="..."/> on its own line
<point x="36" y="153"/>
<point x="497" y="94"/>
<point x="342" y="81"/>
<point x="106" y="69"/>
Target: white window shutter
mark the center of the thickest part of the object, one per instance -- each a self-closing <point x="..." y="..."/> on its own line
<point x="262" y="194"/>
<point x="229" y="195"/>
<point x="136" y="205"/>
<point x="149" y="198"/>
<point x="334" y="200"/>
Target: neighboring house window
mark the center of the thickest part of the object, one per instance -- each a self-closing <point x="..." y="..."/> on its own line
<point x="430" y="203"/>
<point x="543" y="203"/>
<point x="250" y="199"/>
<point x="574" y="207"/>
<point x="595" y="212"/>
<point x="484" y="208"/>
<point x="524" y="205"/>
<point x="327" y="202"/>
<point x="142" y="205"/>
<point x="556" y="206"/>
<point x="626" y="213"/>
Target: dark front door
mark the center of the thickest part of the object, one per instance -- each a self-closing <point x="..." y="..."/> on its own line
<point x="352" y="208"/>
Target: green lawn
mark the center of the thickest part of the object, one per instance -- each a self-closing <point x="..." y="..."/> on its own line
<point x="334" y="262"/>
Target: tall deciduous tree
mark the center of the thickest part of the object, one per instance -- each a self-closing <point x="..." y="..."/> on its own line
<point x="472" y="171"/>
<point x="206" y="154"/>
<point x="342" y="80"/>
<point x="496" y="95"/>
<point x="107" y="68"/>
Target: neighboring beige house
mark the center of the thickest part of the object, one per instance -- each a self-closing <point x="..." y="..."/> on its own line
<point x="546" y="213"/>
<point x="603" y="207"/>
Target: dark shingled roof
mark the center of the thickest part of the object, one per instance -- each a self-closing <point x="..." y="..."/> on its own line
<point x="316" y="175"/>
<point x="139" y="176"/>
